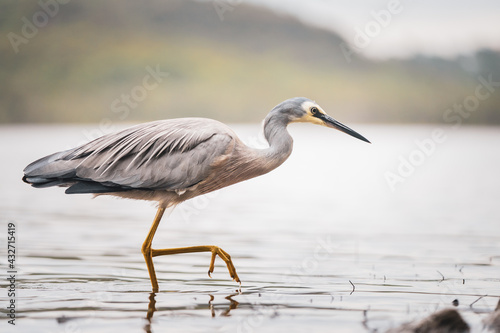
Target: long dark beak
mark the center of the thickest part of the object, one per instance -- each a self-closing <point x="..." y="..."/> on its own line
<point x="330" y="122"/>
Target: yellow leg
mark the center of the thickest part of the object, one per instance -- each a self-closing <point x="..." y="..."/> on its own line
<point x="149" y="253"/>
<point x="216" y="251"/>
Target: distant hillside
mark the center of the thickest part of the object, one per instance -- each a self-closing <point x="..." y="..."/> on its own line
<point x="94" y="61"/>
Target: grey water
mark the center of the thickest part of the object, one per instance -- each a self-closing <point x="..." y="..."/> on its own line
<point x="344" y="236"/>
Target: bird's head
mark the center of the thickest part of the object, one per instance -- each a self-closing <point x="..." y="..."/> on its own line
<point x="301" y="109"/>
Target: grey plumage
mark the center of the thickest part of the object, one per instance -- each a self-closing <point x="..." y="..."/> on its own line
<point x="170" y="161"/>
<point x="175" y="155"/>
<point x="170" y="155"/>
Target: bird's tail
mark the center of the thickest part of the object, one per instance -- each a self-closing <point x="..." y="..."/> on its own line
<point x="49" y="171"/>
<point x="60" y="169"/>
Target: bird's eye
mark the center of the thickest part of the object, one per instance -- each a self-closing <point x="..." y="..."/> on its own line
<point x="314" y="110"/>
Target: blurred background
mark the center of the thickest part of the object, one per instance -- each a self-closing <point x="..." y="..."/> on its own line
<point x="376" y="61"/>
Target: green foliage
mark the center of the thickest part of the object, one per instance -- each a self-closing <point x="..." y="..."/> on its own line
<point x="92" y="53"/>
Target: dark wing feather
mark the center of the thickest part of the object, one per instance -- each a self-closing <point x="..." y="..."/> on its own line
<point x="169" y="154"/>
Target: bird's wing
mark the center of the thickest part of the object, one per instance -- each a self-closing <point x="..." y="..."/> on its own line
<point x="169" y="154"/>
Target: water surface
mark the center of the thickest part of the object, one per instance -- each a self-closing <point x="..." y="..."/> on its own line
<point x="323" y="243"/>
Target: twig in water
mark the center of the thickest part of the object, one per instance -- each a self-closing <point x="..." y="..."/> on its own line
<point x="353" y="287"/>
<point x="471" y="304"/>
<point x="442" y="276"/>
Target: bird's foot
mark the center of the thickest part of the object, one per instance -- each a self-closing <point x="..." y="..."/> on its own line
<point x="217" y="251"/>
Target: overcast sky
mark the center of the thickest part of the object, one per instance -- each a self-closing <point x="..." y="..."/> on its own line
<point x="444" y="27"/>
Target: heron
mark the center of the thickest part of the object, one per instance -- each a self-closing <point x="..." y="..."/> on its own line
<point x="173" y="160"/>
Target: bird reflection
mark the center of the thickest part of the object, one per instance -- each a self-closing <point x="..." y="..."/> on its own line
<point x="232" y="305"/>
<point x="152" y="308"/>
<point x="150" y="313"/>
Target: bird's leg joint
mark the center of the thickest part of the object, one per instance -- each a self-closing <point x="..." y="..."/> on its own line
<point x="146" y="249"/>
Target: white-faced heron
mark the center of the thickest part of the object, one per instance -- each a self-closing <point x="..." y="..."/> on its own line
<point x="171" y="161"/>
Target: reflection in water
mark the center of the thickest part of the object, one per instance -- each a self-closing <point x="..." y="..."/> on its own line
<point x="225" y="313"/>
<point x="150" y="313"/>
<point x="232" y="305"/>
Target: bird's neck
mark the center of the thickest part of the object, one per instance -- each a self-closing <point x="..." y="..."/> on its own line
<point x="280" y="141"/>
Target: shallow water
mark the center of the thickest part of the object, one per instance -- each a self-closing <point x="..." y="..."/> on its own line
<point x="322" y="243"/>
